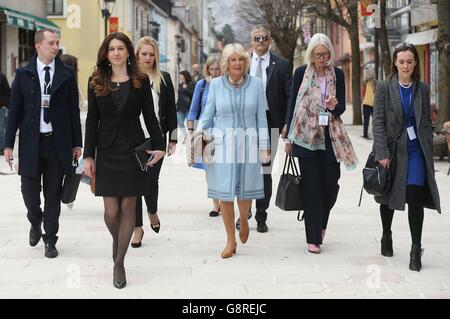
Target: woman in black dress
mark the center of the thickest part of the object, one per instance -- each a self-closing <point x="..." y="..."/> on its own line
<point x="118" y="92"/>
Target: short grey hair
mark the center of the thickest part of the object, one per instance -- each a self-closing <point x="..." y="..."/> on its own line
<point x="260" y="27"/>
<point x="228" y="51"/>
<point x="316" y="40"/>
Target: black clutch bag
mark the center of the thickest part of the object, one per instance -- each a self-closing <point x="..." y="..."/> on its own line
<point x="141" y="156"/>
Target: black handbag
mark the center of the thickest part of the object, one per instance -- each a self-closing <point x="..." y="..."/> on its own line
<point x="377" y="180"/>
<point x="141" y="156"/>
<point x="70" y="186"/>
<point x="289" y="192"/>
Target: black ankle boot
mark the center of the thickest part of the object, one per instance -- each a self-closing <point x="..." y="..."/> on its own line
<point x="386" y="245"/>
<point x="415" y="262"/>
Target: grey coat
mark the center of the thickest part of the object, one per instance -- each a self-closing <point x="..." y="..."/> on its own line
<point x="387" y="123"/>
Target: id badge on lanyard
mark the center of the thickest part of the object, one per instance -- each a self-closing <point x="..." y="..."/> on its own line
<point x="45" y="100"/>
<point x="323" y="118"/>
<point x="45" y="97"/>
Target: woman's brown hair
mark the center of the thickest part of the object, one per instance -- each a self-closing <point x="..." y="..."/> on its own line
<point x="404" y="46"/>
<point x="101" y="78"/>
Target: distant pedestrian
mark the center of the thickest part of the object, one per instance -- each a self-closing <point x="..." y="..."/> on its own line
<point x="212" y="70"/>
<point x="186" y="88"/>
<point x="196" y="73"/>
<point x="236" y="104"/>
<point x="402" y="109"/>
<point x="5" y="93"/>
<point x="118" y="92"/>
<point x="147" y="56"/>
<point x="318" y="136"/>
<point x="368" y="100"/>
<point x="48" y="116"/>
<point x="276" y="76"/>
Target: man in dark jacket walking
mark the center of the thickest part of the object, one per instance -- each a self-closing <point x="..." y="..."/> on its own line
<point x="44" y="106"/>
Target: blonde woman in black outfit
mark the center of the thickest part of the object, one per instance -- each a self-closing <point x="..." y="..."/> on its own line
<point x="118" y="92"/>
<point x="147" y="56"/>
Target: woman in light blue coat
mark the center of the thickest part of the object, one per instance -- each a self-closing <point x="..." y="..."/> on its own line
<point x="198" y="104"/>
<point x="237" y="104"/>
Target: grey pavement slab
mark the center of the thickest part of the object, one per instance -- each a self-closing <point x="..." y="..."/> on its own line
<point x="183" y="260"/>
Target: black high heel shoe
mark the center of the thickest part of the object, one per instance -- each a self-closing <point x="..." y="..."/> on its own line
<point x="119" y="277"/>
<point x="386" y="245"/>
<point x="415" y="262"/>
<point x="155" y="227"/>
<point x="139" y="243"/>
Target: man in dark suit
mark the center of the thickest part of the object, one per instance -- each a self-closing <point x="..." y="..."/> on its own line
<point x="44" y="106"/>
<point x="276" y="75"/>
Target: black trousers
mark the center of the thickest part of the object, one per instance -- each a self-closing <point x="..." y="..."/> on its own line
<point x="51" y="173"/>
<point x="263" y="204"/>
<point x="367" y="112"/>
<point x="320" y="189"/>
<point x="151" y="200"/>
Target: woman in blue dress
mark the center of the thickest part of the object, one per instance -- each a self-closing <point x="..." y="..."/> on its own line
<point x="402" y="108"/>
<point x="211" y="71"/>
<point x="236" y="103"/>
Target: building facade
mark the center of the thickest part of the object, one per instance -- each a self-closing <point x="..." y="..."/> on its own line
<point x="19" y="21"/>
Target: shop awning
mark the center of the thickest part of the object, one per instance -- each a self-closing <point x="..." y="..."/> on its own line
<point x="421" y="38"/>
<point x="27" y="21"/>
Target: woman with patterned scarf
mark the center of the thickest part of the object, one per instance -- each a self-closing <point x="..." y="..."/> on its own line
<point x="317" y="136"/>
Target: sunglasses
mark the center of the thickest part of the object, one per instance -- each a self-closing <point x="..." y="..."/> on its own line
<point x="261" y="38"/>
<point x="402" y="45"/>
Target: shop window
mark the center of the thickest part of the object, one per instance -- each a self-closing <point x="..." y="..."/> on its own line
<point x="55" y="7"/>
<point x="26" y="45"/>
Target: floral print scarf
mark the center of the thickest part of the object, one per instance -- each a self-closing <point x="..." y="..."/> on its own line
<point x="305" y="130"/>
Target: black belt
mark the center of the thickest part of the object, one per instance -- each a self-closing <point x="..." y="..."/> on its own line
<point x="46" y="134"/>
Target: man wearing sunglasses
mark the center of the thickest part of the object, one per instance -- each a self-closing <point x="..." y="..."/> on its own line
<point x="276" y="76"/>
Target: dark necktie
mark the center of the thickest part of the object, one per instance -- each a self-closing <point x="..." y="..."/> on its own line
<point x="47" y="91"/>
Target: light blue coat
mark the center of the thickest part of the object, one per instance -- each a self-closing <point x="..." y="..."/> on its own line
<point x="240" y="132"/>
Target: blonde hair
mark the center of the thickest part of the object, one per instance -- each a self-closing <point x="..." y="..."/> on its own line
<point x="157" y="75"/>
<point x="231" y="49"/>
<point x="210" y="61"/>
<point x="316" y="40"/>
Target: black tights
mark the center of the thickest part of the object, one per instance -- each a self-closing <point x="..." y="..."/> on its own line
<point x="119" y="218"/>
<point x="414" y="198"/>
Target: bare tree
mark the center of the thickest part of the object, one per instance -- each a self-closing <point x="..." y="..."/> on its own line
<point x="281" y="17"/>
<point x="345" y="13"/>
<point x="443" y="7"/>
<point x="384" y="43"/>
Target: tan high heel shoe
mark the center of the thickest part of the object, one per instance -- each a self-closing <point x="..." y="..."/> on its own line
<point x="229" y="253"/>
<point x="243" y="236"/>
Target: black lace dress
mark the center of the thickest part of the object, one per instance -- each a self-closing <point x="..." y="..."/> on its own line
<point x="117" y="172"/>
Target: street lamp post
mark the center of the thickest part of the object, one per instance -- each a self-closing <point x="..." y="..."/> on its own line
<point x="178" y="39"/>
<point x="106" y="13"/>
